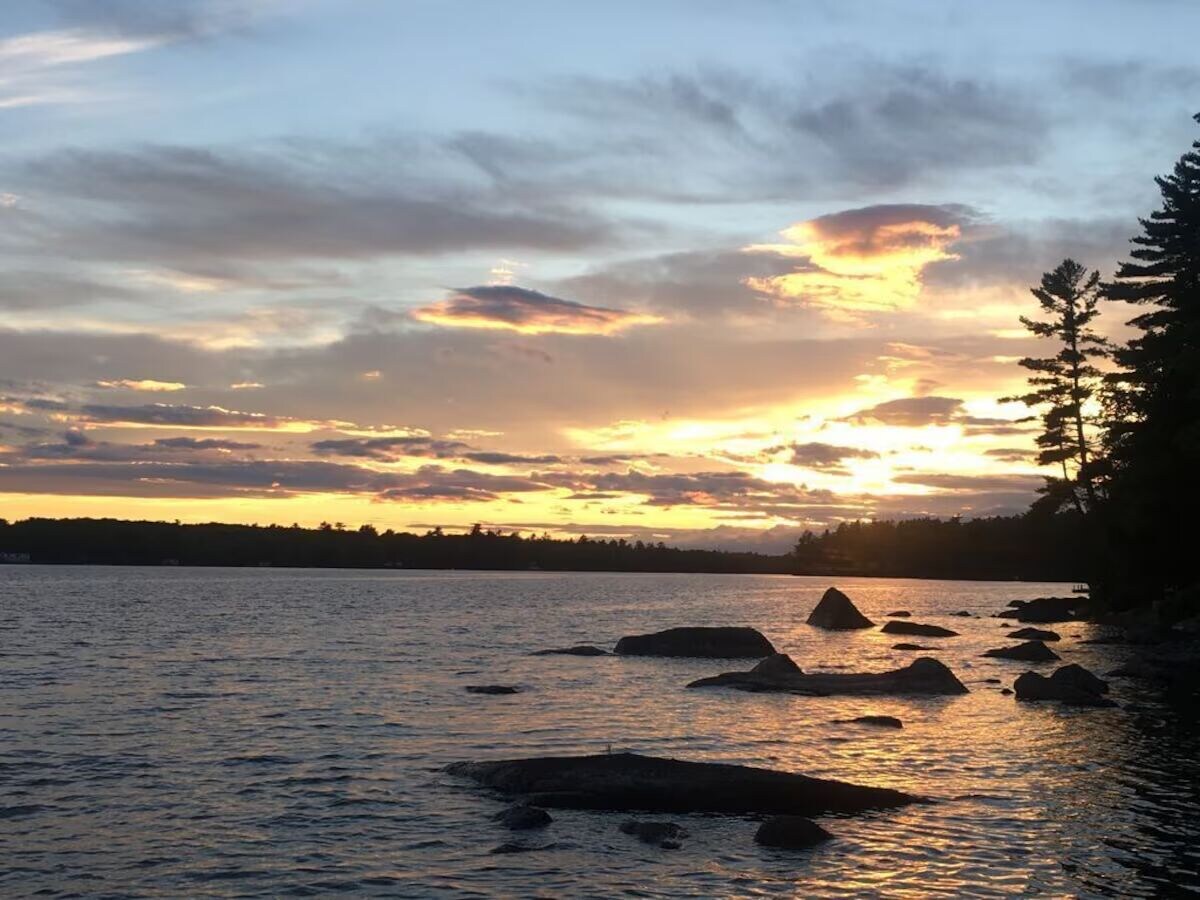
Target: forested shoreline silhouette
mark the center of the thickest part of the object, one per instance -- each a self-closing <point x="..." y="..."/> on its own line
<point x="1030" y="547"/>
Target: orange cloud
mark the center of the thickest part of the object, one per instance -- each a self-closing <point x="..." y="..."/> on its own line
<point x="862" y="260"/>
<point x="143" y="384"/>
<point x="517" y="309"/>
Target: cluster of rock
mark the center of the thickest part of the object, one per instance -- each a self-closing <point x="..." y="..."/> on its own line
<point x="1073" y="685"/>
<point x="779" y="673"/>
<point x="1044" y="610"/>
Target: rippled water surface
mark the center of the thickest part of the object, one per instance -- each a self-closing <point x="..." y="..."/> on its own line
<point x="176" y="732"/>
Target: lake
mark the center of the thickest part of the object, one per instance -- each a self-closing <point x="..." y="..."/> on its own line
<point x="261" y="733"/>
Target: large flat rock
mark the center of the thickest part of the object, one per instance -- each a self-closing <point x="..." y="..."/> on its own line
<point x="917" y="628"/>
<point x="922" y="676"/>
<point x="706" y="642"/>
<point x="629" y="781"/>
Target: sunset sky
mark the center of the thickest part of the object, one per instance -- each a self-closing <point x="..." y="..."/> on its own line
<point x="701" y="272"/>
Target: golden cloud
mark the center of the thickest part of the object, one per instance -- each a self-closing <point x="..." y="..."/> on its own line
<point x="862" y="260"/>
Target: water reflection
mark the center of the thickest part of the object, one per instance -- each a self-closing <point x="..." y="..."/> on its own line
<point x="269" y="732"/>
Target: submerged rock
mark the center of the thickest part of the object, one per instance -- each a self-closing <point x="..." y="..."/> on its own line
<point x="836" y="612"/>
<point x="522" y="817"/>
<point x="1073" y="685"/>
<point x="660" y="833"/>
<point x="515" y="847"/>
<point x="882" y="721"/>
<point x="965" y="614"/>
<point x="911" y="647"/>
<point x="711" y="643"/>
<point x="921" y="676"/>
<point x="1030" y="651"/>
<point x="492" y="689"/>
<point x="899" y="614"/>
<point x="578" y="650"/>
<point x="790" y="833"/>
<point x="918" y="629"/>
<point x="628" y="781"/>
<point x="1035" y="634"/>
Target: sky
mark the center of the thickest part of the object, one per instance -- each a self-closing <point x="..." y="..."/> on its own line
<point x="699" y="272"/>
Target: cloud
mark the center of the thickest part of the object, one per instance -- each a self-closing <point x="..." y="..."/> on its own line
<point x="528" y="312"/>
<point x="190" y="443"/>
<point x="911" y="412"/>
<point x="390" y="448"/>
<point x="207" y="210"/>
<point x="149" y="385"/>
<point x="817" y="455"/>
<point x="974" y="483"/>
<point x="178" y="415"/>
<point x="862" y="260"/>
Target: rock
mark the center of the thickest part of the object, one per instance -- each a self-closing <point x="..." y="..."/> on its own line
<point x="837" y="612"/>
<point x="921" y="676"/>
<point x="965" y="614"/>
<point x="1047" y="609"/>
<point x="661" y="833"/>
<point x="522" y="817"/>
<point x="1006" y="691"/>
<point x="918" y="629"/>
<point x="1075" y="688"/>
<point x="1035" y="634"/>
<point x="911" y="647"/>
<point x="882" y="721"/>
<point x="492" y="689"/>
<point x="710" y="643"/>
<point x="1030" y="651"/>
<point x="1081" y="678"/>
<point x="628" y="782"/>
<point x="790" y="833"/>
<point x="512" y="847"/>
<point x="579" y="650"/>
<point x="778" y="665"/>
<point x="899" y="614"/>
<point x="991" y="681"/>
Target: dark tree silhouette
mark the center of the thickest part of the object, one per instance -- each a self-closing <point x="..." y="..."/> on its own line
<point x="1154" y="438"/>
<point x="1063" y="385"/>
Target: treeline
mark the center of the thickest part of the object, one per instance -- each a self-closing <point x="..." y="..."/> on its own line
<point x="1029" y="547"/>
<point x="116" y="542"/>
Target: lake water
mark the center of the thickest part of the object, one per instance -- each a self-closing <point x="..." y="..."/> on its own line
<point x="261" y="733"/>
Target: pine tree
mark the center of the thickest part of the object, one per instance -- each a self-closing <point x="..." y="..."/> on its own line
<point x="1154" y="440"/>
<point x="1062" y="386"/>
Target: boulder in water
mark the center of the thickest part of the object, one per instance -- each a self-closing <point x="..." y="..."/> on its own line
<point x="1030" y="651"/>
<point x="710" y="643"/>
<point x="492" y="689"/>
<point x="1044" y="610"/>
<point x="522" y="816"/>
<point x="628" y="782"/>
<point x="578" y="650"/>
<point x="790" y="833"/>
<point x="965" y="614"/>
<point x="1073" y="685"/>
<point x="899" y="614"/>
<point x="836" y="612"/>
<point x="664" y="834"/>
<point x="918" y="629"/>
<point x="921" y="676"/>
<point x="881" y="721"/>
<point x="1035" y="634"/>
<point x="911" y="647"/>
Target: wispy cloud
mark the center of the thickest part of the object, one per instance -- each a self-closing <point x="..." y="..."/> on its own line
<point x="512" y="308"/>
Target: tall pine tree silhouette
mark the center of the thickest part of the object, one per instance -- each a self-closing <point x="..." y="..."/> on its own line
<point x="1154" y="438"/>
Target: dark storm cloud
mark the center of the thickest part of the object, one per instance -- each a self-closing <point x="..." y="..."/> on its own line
<point x="197" y="208"/>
